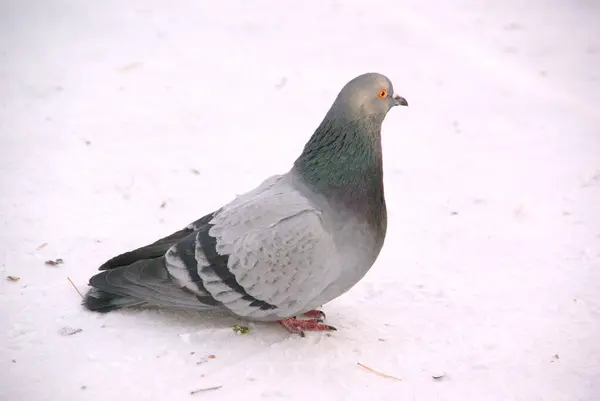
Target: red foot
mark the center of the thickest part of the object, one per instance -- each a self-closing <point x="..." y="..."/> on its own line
<point x="315" y="314"/>
<point x="298" y="326"/>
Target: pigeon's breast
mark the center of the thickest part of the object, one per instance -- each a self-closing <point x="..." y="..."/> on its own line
<point x="358" y="237"/>
<point x="357" y="248"/>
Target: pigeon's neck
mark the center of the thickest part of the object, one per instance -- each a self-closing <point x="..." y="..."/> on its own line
<point x="343" y="161"/>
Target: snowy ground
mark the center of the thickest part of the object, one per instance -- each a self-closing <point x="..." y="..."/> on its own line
<point x="491" y="269"/>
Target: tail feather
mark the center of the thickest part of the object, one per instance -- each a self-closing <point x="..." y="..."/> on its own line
<point x="102" y="301"/>
<point x="145" y="282"/>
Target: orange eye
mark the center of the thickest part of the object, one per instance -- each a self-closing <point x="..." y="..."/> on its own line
<point x="382" y="93"/>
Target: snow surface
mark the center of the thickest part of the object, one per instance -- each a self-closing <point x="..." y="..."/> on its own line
<point x="491" y="269"/>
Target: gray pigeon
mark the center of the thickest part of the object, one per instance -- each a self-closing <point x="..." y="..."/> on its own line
<point x="277" y="252"/>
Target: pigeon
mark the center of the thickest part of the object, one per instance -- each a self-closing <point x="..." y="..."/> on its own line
<point x="284" y="249"/>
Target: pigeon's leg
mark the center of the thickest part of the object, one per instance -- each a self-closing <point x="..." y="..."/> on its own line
<point x="315" y="314"/>
<point x="298" y="326"/>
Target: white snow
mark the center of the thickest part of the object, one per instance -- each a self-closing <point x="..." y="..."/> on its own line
<point x="490" y="274"/>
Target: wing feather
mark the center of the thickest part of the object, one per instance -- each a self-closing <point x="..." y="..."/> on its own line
<point x="280" y="256"/>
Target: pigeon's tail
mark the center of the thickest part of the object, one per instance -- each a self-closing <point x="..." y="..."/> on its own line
<point x="102" y="301"/>
<point x="144" y="282"/>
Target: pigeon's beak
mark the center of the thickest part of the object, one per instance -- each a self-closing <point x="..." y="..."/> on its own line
<point x="399" y="100"/>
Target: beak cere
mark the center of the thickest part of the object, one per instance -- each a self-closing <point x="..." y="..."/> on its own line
<point x="399" y="100"/>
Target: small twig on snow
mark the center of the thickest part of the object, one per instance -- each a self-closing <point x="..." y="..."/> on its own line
<point x="76" y="289"/>
<point x="378" y="373"/>
<point x="205" y="389"/>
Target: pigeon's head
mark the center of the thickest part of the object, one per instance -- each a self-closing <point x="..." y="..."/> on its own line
<point x="366" y="95"/>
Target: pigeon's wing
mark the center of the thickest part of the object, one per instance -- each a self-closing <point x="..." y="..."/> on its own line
<point x="265" y="255"/>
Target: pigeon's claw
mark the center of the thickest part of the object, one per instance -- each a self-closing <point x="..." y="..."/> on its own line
<point x="315" y="314"/>
<point x="298" y="326"/>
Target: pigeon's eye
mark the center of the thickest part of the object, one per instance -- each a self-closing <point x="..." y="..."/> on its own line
<point x="382" y="93"/>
